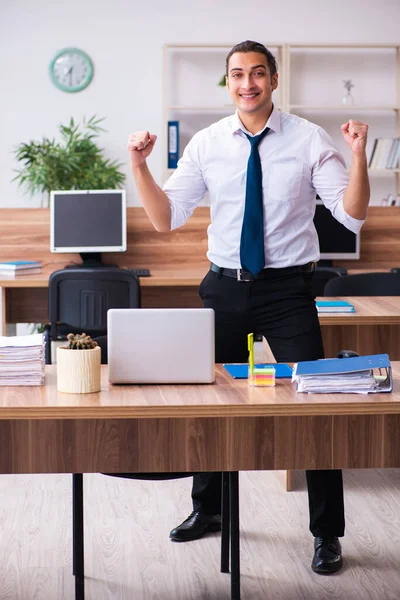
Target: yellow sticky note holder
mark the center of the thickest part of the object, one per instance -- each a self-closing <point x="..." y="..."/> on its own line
<point x="258" y="376"/>
<point x="262" y="376"/>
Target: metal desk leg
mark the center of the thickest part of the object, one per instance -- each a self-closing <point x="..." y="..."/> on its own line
<point x="77" y="536"/>
<point x="225" y="515"/>
<point x="235" y="540"/>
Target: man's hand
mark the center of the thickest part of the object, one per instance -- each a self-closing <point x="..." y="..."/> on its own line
<point x="355" y="134"/>
<point x="140" y="146"/>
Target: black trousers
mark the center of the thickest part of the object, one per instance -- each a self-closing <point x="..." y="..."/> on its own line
<point x="281" y="307"/>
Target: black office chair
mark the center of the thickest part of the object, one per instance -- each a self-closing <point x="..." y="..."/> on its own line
<point x="364" y="284"/>
<point x="322" y="275"/>
<point x="80" y="298"/>
<point x="78" y="301"/>
<point x="230" y="541"/>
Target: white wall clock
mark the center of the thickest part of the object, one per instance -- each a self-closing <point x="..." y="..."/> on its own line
<point x="71" y="70"/>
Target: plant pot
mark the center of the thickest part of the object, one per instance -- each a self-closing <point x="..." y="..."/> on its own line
<point x="78" y="371"/>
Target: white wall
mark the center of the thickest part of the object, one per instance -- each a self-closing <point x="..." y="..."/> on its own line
<point x="125" y="39"/>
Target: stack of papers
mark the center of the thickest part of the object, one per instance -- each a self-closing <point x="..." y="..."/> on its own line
<point x="22" y="360"/>
<point x="329" y="306"/>
<point x="356" y="375"/>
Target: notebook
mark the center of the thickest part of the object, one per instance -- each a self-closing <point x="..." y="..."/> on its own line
<point x="161" y="345"/>
<point x="330" y="306"/>
<point x="17" y="265"/>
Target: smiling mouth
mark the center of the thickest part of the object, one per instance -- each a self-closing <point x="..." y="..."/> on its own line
<point x="249" y="96"/>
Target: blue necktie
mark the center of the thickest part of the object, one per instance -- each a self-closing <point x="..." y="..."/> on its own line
<point x="252" y="256"/>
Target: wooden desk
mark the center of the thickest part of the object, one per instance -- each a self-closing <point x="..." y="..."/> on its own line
<point x="195" y="428"/>
<point x="177" y="260"/>
<point x="374" y="327"/>
<point x="24" y="298"/>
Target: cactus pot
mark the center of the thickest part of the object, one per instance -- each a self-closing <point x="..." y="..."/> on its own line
<point x="78" y="371"/>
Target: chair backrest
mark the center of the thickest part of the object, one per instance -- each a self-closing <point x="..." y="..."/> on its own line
<point x="81" y="297"/>
<point x="322" y="275"/>
<point x="364" y="284"/>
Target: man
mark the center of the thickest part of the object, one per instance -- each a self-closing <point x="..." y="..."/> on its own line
<point x="262" y="169"/>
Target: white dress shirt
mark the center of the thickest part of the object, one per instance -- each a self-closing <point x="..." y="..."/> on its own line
<point x="298" y="160"/>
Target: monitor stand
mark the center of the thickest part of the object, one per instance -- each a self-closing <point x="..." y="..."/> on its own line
<point x="90" y="260"/>
<point x="329" y="264"/>
<point x="325" y="263"/>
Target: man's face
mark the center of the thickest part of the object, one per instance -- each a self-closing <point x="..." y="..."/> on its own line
<point x="249" y="82"/>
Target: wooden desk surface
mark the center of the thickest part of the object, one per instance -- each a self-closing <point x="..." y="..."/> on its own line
<point x="224" y="426"/>
<point x="368" y="310"/>
<point x="226" y="397"/>
<point x="159" y="277"/>
<point x="169" y="276"/>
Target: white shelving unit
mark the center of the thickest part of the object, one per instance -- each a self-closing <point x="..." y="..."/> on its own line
<point x="310" y="85"/>
<point x="314" y="90"/>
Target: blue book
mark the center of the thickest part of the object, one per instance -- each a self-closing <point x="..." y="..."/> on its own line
<point x="15" y="265"/>
<point x="328" y="306"/>
<point x="371" y="373"/>
<point x="173" y="144"/>
<point x="241" y="370"/>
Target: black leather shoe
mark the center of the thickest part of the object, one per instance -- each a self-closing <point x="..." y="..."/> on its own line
<point x="327" y="555"/>
<point x="195" y="526"/>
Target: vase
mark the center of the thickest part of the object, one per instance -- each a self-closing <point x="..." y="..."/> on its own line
<point x="44" y="200"/>
<point x="78" y="371"/>
<point x="348" y="99"/>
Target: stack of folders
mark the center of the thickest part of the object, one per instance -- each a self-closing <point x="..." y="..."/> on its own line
<point x="355" y="375"/>
<point x="330" y="306"/>
<point x="22" y="360"/>
<point x="14" y="268"/>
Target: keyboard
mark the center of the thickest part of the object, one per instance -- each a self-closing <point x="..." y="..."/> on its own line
<point x="140" y="272"/>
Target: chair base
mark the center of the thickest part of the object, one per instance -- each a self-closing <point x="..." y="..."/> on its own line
<point x="230" y="539"/>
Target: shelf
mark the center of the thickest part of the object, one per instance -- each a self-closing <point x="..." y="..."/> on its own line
<point x="344" y="46"/>
<point x="383" y="171"/>
<point x="311" y="77"/>
<point x="203" y="108"/>
<point x="341" y="107"/>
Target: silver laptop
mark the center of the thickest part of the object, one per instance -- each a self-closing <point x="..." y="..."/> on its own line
<point x="161" y="345"/>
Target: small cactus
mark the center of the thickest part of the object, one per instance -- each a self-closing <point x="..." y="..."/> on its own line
<point x="80" y="342"/>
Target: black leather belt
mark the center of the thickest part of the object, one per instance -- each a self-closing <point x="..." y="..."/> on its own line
<point x="242" y="275"/>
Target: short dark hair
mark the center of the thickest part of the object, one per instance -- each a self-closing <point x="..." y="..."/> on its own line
<point x="250" y="46"/>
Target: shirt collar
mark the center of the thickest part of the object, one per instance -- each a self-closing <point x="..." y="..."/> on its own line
<point x="274" y="122"/>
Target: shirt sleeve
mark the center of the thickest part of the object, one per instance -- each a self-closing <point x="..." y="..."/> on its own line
<point x="186" y="186"/>
<point x="330" y="179"/>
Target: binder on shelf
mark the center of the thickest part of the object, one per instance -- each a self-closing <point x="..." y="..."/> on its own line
<point x="241" y="370"/>
<point x="173" y="144"/>
<point x="334" y="306"/>
<point x="359" y="374"/>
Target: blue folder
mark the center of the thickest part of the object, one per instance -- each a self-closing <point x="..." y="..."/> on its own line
<point x="173" y="144"/>
<point x="338" y="368"/>
<point x="241" y="370"/>
<point x="333" y="366"/>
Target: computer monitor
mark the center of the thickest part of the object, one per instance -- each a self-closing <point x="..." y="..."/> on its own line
<point x="335" y="240"/>
<point x="88" y="222"/>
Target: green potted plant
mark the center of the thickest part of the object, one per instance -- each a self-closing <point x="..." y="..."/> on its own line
<point x="79" y="365"/>
<point x="74" y="163"/>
